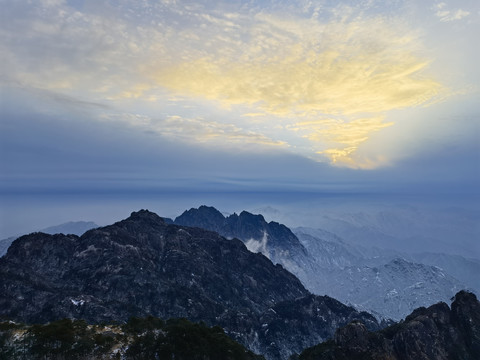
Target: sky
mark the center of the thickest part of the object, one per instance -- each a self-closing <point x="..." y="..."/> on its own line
<point x="111" y="106"/>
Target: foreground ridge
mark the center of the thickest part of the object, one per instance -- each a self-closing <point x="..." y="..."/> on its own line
<point x="145" y="338"/>
<point x="432" y="333"/>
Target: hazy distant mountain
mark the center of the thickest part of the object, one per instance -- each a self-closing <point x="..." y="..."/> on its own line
<point x="434" y="333"/>
<point x="315" y="239"/>
<point x="463" y="269"/>
<point x="393" y="289"/>
<point x="320" y="244"/>
<point x="374" y="279"/>
<point x="408" y="229"/>
<point x="5" y="244"/>
<point x="72" y="227"/>
<point x="142" y="265"/>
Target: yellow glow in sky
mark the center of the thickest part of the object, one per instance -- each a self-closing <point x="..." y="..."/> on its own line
<point x="356" y="72"/>
<point x="317" y="86"/>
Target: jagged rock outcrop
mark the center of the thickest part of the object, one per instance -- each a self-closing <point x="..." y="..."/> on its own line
<point x="433" y="333"/>
<point x="274" y="240"/>
<point x="278" y="240"/>
<point x="143" y="266"/>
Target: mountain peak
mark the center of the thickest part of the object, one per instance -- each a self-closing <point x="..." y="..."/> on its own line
<point x="206" y="217"/>
<point x="465" y="297"/>
<point x="142" y="219"/>
<point x="144" y="214"/>
<point x="248" y="215"/>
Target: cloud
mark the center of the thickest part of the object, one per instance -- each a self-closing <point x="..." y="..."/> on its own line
<point x="225" y="135"/>
<point x="199" y="131"/>
<point x="265" y="72"/>
<point x="446" y="15"/>
<point x="290" y="69"/>
<point x="340" y="139"/>
<point x="328" y="83"/>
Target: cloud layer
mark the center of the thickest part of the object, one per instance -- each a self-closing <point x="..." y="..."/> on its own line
<point x="316" y="80"/>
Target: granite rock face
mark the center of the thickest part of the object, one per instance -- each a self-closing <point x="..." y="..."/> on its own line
<point x="433" y="333"/>
<point x="274" y="240"/>
<point x="278" y="240"/>
<point x="143" y="266"/>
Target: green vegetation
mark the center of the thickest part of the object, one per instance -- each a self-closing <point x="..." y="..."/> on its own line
<point x="183" y="340"/>
<point x="139" y="338"/>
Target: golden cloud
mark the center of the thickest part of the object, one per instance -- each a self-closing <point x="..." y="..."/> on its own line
<point x="355" y="71"/>
<point x="342" y="139"/>
<point x="294" y="72"/>
<point x="276" y="73"/>
<point x="212" y="132"/>
<point x="198" y="130"/>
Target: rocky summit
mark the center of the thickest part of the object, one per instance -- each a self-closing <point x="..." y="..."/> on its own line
<point x="270" y="238"/>
<point x="274" y="240"/>
<point x="434" y="333"/>
<point x="144" y="266"/>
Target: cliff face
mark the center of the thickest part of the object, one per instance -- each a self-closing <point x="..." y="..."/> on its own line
<point x="138" y="266"/>
<point x="437" y="332"/>
<point x="274" y="240"/>
<point x="143" y="266"/>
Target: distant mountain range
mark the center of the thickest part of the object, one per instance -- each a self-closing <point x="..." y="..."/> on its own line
<point x="352" y="274"/>
<point x="403" y="228"/>
<point x="72" y="227"/>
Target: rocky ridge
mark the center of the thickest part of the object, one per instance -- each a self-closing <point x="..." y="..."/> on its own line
<point x="328" y="265"/>
<point x="433" y="333"/>
<point x="143" y="266"/>
<point x="274" y="240"/>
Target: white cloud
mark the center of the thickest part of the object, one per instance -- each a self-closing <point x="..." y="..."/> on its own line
<point x="447" y="15"/>
<point x="199" y="131"/>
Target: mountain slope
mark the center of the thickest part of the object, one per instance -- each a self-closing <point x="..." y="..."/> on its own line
<point x="433" y="333"/>
<point x="399" y="287"/>
<point x="143" y="266"/>
<point x="465" y="270"/>
<point x="352" y="274"/>
<point x="274" y="240"/>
